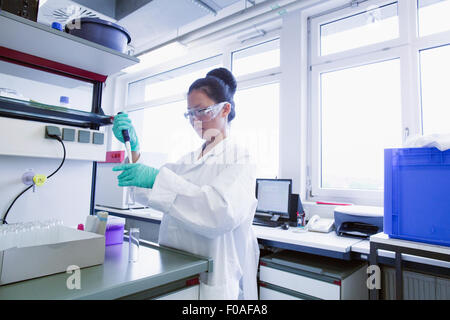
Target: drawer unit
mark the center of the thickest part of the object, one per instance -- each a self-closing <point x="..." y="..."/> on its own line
<point x="184" y="289"/>
<point x="269" y="291"/>
<point x="271" y="294"/>
<point x="307" y="276"/>
<point x="189" y="293"/>
<point x="321" y="289"/>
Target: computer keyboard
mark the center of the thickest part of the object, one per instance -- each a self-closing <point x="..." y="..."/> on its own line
<point x="265" y="222"/>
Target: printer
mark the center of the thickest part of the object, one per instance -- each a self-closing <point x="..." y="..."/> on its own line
<point x="358" y="221"/>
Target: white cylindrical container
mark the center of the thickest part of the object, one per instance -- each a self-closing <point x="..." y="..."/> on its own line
<point x="133" y="241"/>
<point x="91" y="224"/>
<point x="102" y="220"/>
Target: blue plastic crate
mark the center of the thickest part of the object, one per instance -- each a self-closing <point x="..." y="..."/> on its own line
<point x="417" y="195"/>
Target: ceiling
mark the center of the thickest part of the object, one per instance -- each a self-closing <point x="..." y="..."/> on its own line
<point x="145" y="20"/>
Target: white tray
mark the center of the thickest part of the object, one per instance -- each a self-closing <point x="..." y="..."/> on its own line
<point x="72" y="248"/>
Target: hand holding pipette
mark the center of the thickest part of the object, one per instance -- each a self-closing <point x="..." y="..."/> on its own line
<point x="124" y="132"/>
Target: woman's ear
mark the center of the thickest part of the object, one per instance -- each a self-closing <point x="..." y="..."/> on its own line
<point x="226" y="110"/>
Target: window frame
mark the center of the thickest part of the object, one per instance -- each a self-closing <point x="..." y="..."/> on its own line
<point x="434" y="36"/>
<point x="254" y="44"/>
<point x="317" y="21"/>
<point x="256" y="78"/>
<point x="407" y="48"/>
<point x="259" y="78"/>
<point x="316" y="125"/>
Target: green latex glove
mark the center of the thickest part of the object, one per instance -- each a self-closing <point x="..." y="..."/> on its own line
<point x="136" y="174"/>
<point x="122" y="122"/>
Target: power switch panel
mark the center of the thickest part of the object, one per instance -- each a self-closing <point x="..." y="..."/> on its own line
<point x="99" y="138"/>
<point x="53" y="131"/>
<point x="84" y="136"/>
<point x="68" y="134"/>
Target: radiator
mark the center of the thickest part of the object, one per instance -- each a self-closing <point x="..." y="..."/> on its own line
<point x="416" y="286"/>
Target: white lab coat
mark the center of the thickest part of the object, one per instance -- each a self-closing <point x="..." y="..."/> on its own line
<point x="208" y="207"/>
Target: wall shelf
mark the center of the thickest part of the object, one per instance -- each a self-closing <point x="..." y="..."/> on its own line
<point x="58" y="50"/>
<point x="29" y="110"/>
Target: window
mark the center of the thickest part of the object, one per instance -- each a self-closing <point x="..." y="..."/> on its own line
<point x="164" y="129"/>
<point x="358" y="123"/>
<point x="381" y="80"/>
<point x="257" y="58"/>
<point x="258" y="102"/>
<point x="156" y="104"/>
<point x="160" y="101"/>
<point x="256" y="125"/>
<point x="433" y="16"/>
<point x="374" y="25"/>
<point x="435" y="77"/>
<point x="174" y="83"/>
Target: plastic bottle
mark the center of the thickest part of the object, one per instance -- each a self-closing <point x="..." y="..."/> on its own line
<point x="64" y="101"/>
<point x="302" y="218"/>
<point x="103" y="219"/>
<point x="57" y="26"/>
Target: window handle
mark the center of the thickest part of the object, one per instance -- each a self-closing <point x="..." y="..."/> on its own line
<point x="406" y="134"/>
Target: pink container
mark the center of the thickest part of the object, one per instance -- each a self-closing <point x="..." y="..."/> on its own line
<point x="114" y="231"/>
<point x="114" y="157"/>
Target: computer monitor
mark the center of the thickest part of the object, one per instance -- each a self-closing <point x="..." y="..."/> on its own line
<point x="273" y="197"/>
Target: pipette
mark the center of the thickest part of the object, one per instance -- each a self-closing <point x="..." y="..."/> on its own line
<point x="126" y="140"/>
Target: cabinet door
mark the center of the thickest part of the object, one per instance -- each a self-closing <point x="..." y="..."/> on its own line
<point x="269" y="294"/>
<point x="189" y="293"/>
<point x="302" y="284"/>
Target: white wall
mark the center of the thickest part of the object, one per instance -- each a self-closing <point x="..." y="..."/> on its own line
<point x="64" y="196"/>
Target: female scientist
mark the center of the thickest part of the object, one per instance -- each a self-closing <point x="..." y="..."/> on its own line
<point x="208" y="196"/>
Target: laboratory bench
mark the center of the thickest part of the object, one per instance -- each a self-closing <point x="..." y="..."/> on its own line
<point x="328" y="245"/>
<point x="159" y="273"/>
<point x="323" y="244"/>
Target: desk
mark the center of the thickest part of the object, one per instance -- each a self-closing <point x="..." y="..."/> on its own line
<point x="331" y="245"/>
<point x="156" y="268"/>
<point x="363" y="248"/>
<point x="325" y="244"/>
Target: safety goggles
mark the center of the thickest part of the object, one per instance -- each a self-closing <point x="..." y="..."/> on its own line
<point x="205" y="114"/>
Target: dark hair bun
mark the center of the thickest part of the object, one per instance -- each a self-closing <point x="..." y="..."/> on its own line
<point x="226" y="76"/>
